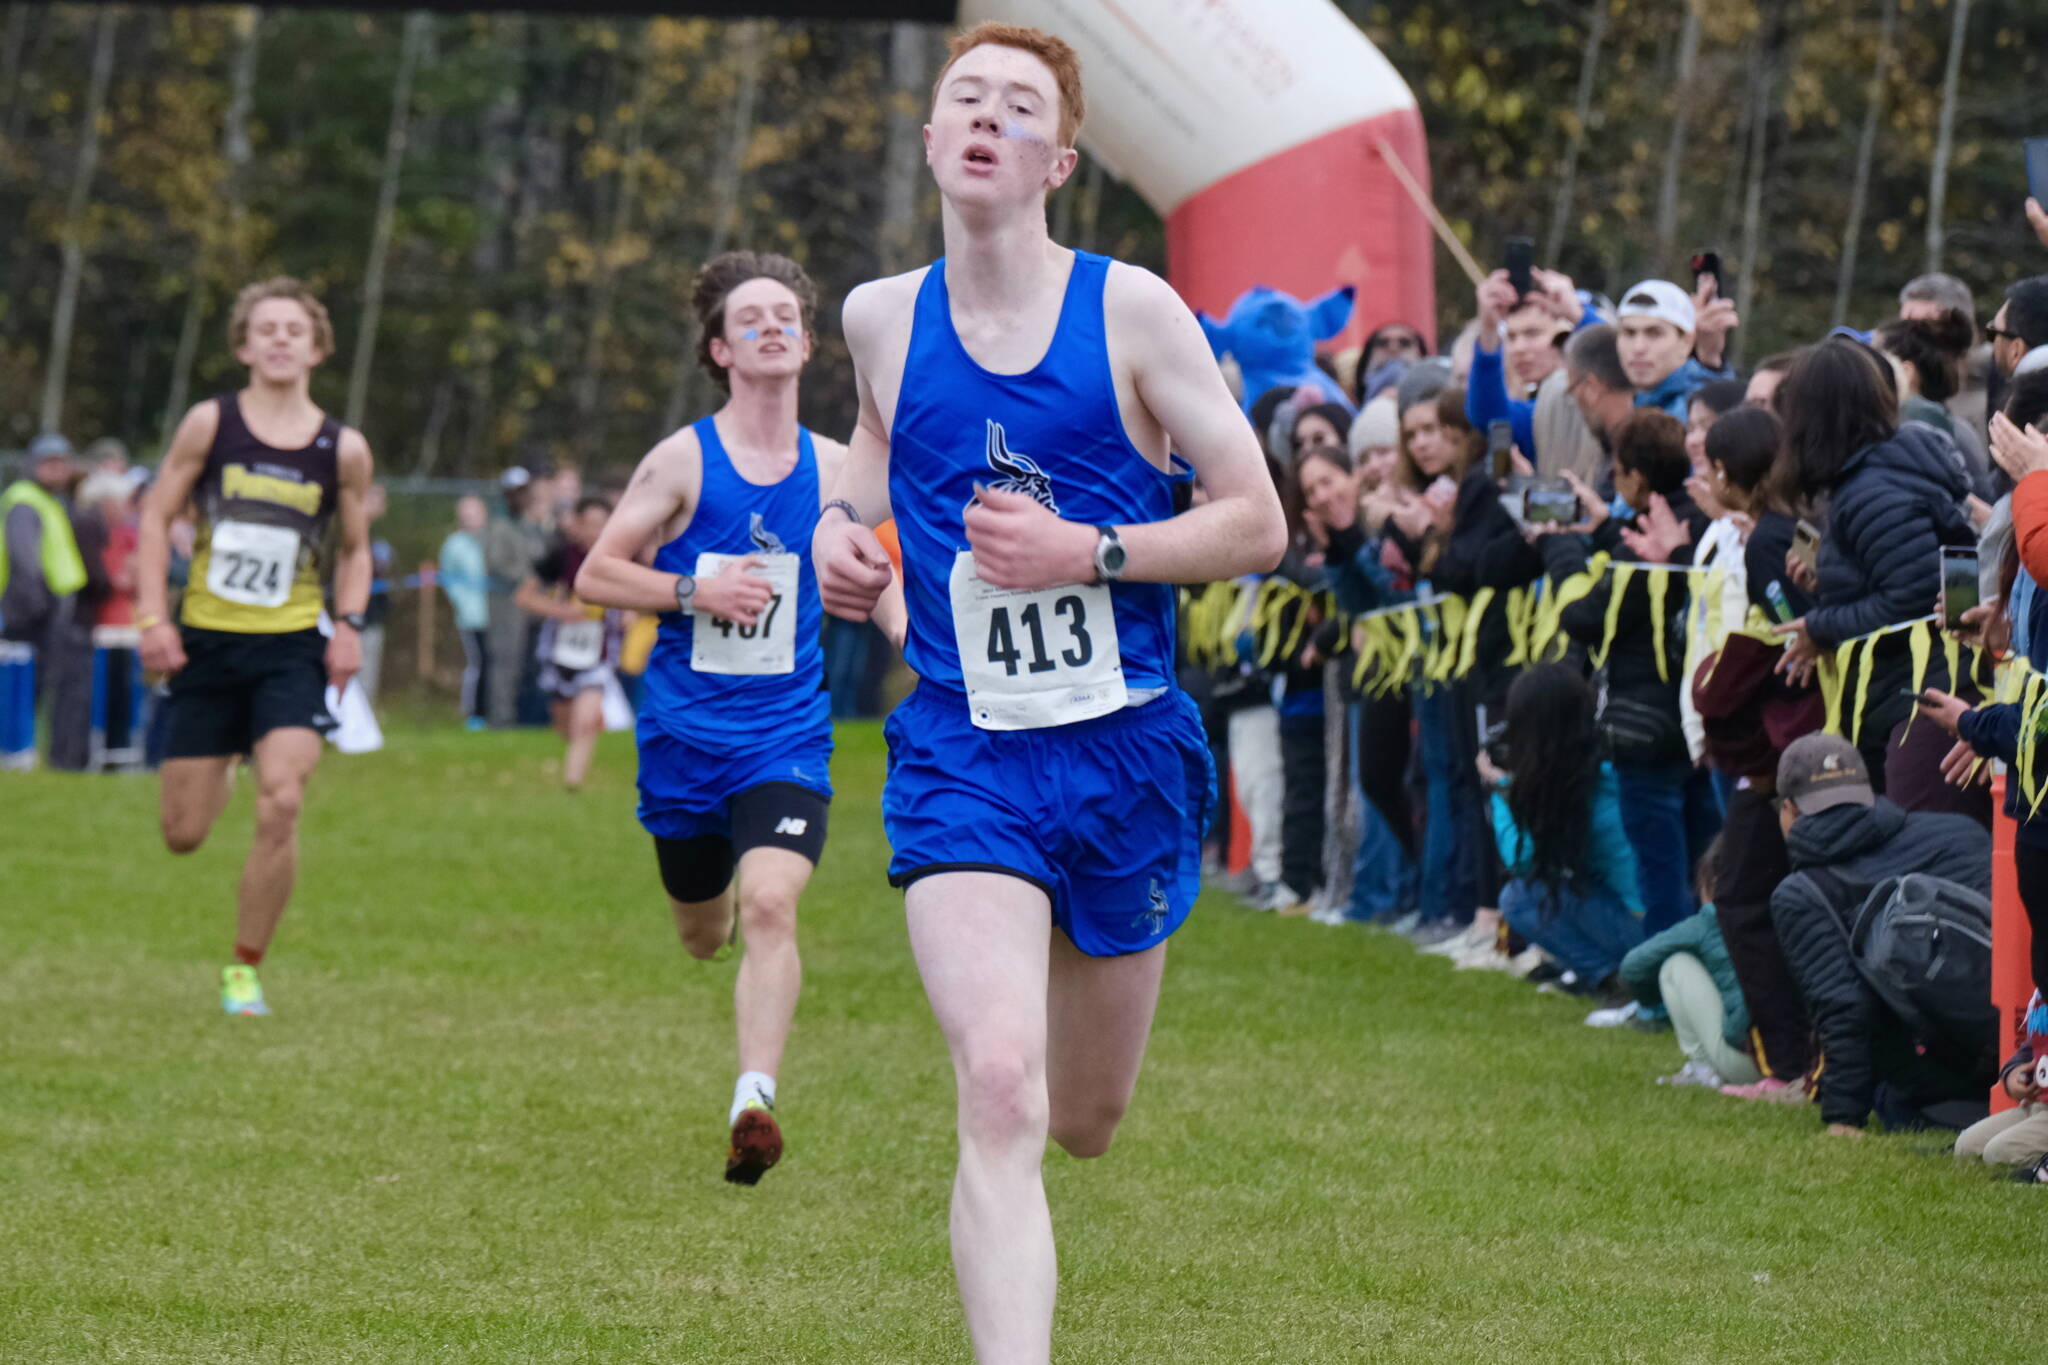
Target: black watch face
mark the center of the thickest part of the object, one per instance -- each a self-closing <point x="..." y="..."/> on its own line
<point x="1113" y="557"/>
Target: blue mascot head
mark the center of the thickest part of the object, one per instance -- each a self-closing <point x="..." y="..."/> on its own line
<point x="1273" y="337"/>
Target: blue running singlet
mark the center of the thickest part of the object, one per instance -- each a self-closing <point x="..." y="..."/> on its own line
<point x="1047" y="739"/>
<point x="743" y="710"/>
<point x="1053" y="433"/>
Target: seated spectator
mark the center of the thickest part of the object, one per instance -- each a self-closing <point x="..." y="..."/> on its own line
<point x="1672" y="342"/>
<point x="1835" y="822"/>
<point x="1671" y="809"/>
<point x="1894" y="495"/>
<point x="1557" y="820"/>
<point x="1687" y="972"/>
<point x="2018" y="1136"/>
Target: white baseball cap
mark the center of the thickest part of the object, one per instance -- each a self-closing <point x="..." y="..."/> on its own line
<point x="1660" y="299"/>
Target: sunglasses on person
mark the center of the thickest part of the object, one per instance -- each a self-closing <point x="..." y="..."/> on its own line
<point x="1996" y="334"/>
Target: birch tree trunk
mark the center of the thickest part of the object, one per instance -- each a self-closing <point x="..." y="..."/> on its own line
<point x="1582" y="113"/>
<point x="749" y="40"/>
<point x="605" y="287"/>
<point x="235" y="152"/>
<point x="1944" y="138"/>
<point x="417" y="24"/>
<point x="1866" y="148"/>
<point x="1770" y="44"/>
<point x="903" y="156"/>
<point x="66" y="311"/>
<point x="1674" y="151"/>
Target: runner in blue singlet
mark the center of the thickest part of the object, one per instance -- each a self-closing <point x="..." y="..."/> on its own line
<point x="735" y="733"/>
<point x="1048" y="782"/>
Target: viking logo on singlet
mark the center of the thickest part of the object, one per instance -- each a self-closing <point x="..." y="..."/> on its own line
<point x="1157" y="912"/>
<point x="1020" y="473"/>
<point x="765" y="540"/>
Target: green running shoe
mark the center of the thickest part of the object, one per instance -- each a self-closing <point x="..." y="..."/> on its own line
<point x="240" y="991"/>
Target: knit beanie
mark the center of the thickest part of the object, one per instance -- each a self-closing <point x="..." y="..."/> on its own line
<point x="1377" y="424"/>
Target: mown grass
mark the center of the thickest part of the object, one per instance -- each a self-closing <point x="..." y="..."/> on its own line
<point x="485" y="1124"/>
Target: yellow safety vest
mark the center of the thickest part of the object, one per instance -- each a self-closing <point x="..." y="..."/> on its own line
<point x="63" y="566"/>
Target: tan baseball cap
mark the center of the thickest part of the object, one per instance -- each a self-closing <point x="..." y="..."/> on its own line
<point x="1820" y="771"/>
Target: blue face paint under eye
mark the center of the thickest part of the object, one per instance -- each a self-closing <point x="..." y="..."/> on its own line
<point x="1019" y="133"/>
<point x="755" y="333"/>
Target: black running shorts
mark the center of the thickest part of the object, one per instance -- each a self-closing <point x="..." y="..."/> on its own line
<point x="236" y="688"/>
<point x="772" y="815"/>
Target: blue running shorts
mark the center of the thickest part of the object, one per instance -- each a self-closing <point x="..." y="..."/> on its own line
<point x="687" y="789"/>
<point x="1105" y="816"/>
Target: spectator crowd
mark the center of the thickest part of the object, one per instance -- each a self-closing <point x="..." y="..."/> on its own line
<point x="1675" y="688"/>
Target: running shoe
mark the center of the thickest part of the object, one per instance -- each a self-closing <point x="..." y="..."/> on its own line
<point x="1693" y="1073"/>
<point x="756" y="1144"/>
<point x="1614" y="1016"/>
<point x="240" y="991"/>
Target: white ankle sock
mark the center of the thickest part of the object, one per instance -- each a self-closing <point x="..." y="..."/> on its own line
<point x="751" y="1085"/>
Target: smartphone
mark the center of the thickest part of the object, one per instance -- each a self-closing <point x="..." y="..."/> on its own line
<point x="1549" y="500"/>
<point x="1500" y="444"/>
<point x="1958" y="584"/>
<point x="1521" y="264"/>
<point x="1806" y="545"/>
<point x="1709" y="263"/>
<point x="2037" y="169"/>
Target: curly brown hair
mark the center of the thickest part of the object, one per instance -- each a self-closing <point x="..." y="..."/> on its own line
<point x="724" y="273"/>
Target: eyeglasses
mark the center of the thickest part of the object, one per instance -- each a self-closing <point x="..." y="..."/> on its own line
<point x="2000" y="334"/>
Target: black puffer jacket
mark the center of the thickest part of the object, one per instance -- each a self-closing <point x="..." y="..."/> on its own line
<point x="1485" y="549"/>
<point x="1892" y="508"/>
<point x="1632" y="660"/>
<point x="1862" y="1040"/>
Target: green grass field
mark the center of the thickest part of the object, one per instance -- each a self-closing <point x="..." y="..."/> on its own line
<point x="485" y="1124"/>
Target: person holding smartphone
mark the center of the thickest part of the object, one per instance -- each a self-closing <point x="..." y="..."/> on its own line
<point x="1894" y="495"/>
<point x="2018" y="619"/>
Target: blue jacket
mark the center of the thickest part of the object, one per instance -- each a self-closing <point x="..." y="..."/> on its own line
<point x="1994" y="731"/>
<point x="1674" y="395"/>
<point x="1700" y="935"/>
<point x="1487" y="400"/>
<point x="1610" y="862"/>
<point x="1486" y="393"/>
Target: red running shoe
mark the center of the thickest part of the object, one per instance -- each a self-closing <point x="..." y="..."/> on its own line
<point x="756" y="1145"/>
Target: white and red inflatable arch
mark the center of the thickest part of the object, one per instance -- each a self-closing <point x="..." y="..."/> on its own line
<point x="1255" y="129"/>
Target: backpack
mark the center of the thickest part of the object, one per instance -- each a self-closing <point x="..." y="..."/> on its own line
<point x="1923" y="945"/>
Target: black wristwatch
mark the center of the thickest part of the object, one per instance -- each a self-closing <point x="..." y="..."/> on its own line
<point x="686" y="591"/>
<point x="354" y="620"/>
<point x="1110" y="555"/>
